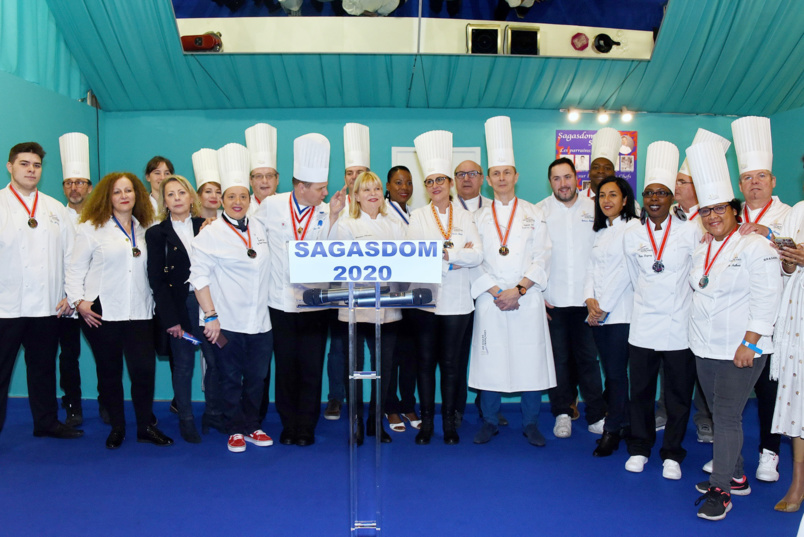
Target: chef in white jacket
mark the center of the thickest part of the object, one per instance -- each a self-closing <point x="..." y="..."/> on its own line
<point x="737" y="289"/>
<point x="658" y="259"/>
<point x="511" y="343"/>
<point x="299" y="351"/>
<point x="263" y="177"/>
<point x="764" y="214"/>
<point x="605" y="153"/>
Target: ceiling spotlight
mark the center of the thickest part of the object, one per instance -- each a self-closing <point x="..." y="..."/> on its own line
<point x="602" y="115"/>
<point x="573" y="115"/>
<point x="626" y="116"/>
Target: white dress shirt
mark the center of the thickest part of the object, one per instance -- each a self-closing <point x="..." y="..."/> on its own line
<point x="661" y="300"/>
<point x="742" y="295"/>
<point x="34" y="259"/>
<point x="102" y="266"/>
<point x="571" y="233"/>
<point x="774" y="218"/>
<point x="274" y="215"/>
<point x="237" y="283"/>
<point x="453" y="296"/>
<point x="365" y="228"/>
<point x="607" y="279"/>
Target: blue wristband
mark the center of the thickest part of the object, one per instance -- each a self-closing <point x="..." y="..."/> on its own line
<point x="752" y="347"/>
<point x="497" y="295"/>
<point x="210" y="318"/>
<point x="769" y="236"/>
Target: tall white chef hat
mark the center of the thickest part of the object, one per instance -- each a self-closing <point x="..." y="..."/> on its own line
<point x="606" y="144"/>
<point x="261" y="144"/>
<point x="356" y="145"/>
<point x="661" y="165"/>
<point x="434" y="149"/>
<point x="499" y="142"/>
<point x="710" y="173"/>
<point x="702" y="136"/>
<point x="233" y="165"/>
<point x="753" y="143"/>
<point x="74" y="149"/>
<point x="311" y="158"/>
<point x="205" y="167"/>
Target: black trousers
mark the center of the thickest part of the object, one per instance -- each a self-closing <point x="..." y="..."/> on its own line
<point x="299" y="345"/>
<point x="439" y="340"/>
<point x="365" y="335"/>
<point x="405" y="369"/>
<point x="765" y="390"/>
<point x="69" y="371"/>
<point x="680" y="374"/>
<point x="110" y="343"/>
<point x="39" y="337"/>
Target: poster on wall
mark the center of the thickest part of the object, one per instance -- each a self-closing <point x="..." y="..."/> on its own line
<point x="576" y="145"/>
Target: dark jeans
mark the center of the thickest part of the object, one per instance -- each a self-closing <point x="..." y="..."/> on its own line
<point x="69" y="372"/>
<point x="110" y="342"/>
<point x="39" y="337"/>
<point x="336" y="357"/>
<point x="463" y="366"/>
<point x="439" y="340"/>
<point x="612" y="343"/>
<point x="679" y="369"/>
<point x="765" y="390"/>
<point x="573" y="346"/>
<point x="365" y="335"/>
<point x="405" y="369"/>
<point x="243" y="365"/>
<point x="726" y="388"/>
<point x="299" y="354"/>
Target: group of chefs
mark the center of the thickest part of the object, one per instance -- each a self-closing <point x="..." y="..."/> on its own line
<point x="677" y="286"/>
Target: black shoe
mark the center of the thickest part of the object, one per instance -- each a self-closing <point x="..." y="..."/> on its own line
<point x="212" y="421"/>
<point x="103" y="413"/>
<point x="304" y="440"/>
<point x="287" y="438"/>
<point x="450" y="430"/>
<point x="173" y="408"/>
<point x="154" y="420"/>
<point x="716" y="504"/>
<point x="607" y="444"/>
<point x="534" y="435"/>
<point x="75" y="415"/>
<point x="60" y="431"/>
<point x="451" y="437"/>
<point x="188" y="431"/>
<point x="426" y="432"/>
<point x="152" y="435"/>
<point x="385" y="438"/>
<point x="115" y="438"/>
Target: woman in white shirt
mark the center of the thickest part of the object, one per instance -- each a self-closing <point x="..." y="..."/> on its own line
<point x="610" y="302"/>
<point x="209" y="197"/>
<point x="368" y="219"/>
<point x="107" y="282"/>
<point x="169" y="247"/>
<point x="440" y="331"/>
<point x="230" y="265"/>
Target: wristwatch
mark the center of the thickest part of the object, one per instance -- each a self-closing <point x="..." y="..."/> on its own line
<point x="76" y="303"/>
<point x="522" y="289"/>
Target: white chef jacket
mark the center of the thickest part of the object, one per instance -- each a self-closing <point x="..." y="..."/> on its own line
<point x="274" y="215"/>
<point x="366" y="228"/>
<point x="102" y="265"/>
<point x="402" y="214"/>
<point x="607" y="279"/>
<point x="73" y="215"/>
<point x="237" y="283"/>
<point x="511" y="350"/>
<point x="661" y="300"/>
<point x="253" y="206"/>
<point x="453" y="295"/>
<point x="743" y="295"/>
<point x="571" y="233"/>
<point x="474" y="204"/>
<point x="774" y="218"/>
<point x="32" y="276"/>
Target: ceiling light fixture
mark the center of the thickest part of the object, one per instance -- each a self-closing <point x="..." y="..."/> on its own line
<point x="573" y="115"/>
<point x="626" y="116"/>
<point x="602" y="115"/>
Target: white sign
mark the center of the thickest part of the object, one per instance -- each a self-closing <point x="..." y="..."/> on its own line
<point x="365" y="261"/>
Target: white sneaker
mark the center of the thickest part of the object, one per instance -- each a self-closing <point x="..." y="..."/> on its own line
<point x="563" y="426"/>
<point x="768" y="464"/>
<point x="636" y="463"/>
<point x="597" y="427"/>
<point x="672" y="470"/>
<point x="708" y="467"/>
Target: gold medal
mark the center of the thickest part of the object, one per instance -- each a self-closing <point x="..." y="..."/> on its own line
<point x="32" y="223"/>
<point x="504" y="250"/>
<point x="136" y="252"/>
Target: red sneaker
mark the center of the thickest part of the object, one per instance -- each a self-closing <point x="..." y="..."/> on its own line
<point x="236" y="443"/>
<point x="259" y="438"/>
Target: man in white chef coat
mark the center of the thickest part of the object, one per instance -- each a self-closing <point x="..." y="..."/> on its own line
<point x="511" y="343"/>
<point x="36" y="240"/>
<point x="263" y="178"/>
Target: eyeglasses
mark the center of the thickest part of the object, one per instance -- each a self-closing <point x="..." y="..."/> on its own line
<point x="683" y="182"/>
<point x="261" y="176"/>
<point x="761" y="176"/>
<point x="718" y="209"/>
<point x="79" y="183"/>
<point x="470" y="175"/>
<point x="438" y="180"/>
<point x="657" y="193"/>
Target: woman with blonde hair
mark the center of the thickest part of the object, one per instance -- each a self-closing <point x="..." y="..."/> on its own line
<point x="107" y="282"/>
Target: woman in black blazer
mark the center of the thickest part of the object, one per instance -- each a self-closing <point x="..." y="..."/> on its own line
<point x="169" y="247"/>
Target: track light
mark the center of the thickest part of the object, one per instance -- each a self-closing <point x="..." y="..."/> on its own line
<point x="626" y="116"/>
<point x="573" y="115"/>
<point x="602" y="115"/>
